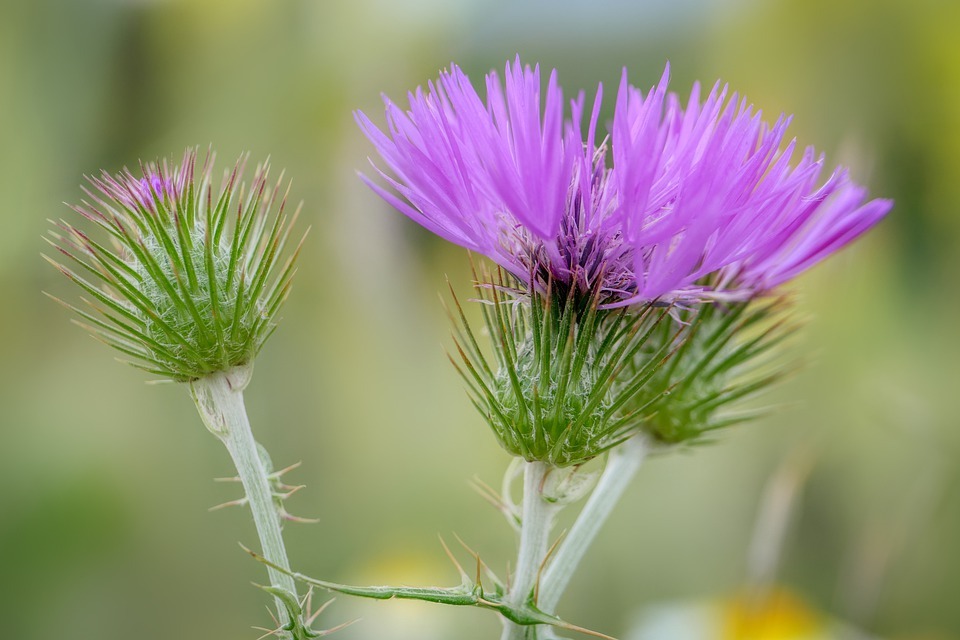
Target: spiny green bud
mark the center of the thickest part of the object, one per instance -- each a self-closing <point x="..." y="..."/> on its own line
<point x="183" y="277"/>
<point x="559" y="388"/>
<point x="726" y="354"/>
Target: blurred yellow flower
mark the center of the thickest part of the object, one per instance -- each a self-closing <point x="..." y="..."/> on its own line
<point x="776" y="615"/>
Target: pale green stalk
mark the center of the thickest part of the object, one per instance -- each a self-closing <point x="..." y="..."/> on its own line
<point x="622" y="464"/>
<point x="219" y="399"/>
<point x="537" y="520"/>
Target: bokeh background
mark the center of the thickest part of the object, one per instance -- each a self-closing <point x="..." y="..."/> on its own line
<point x="105" y="481"/>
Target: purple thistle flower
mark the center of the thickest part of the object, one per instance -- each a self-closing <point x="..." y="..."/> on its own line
<point x="159" y="183"/>
<point x="700" y="201"/>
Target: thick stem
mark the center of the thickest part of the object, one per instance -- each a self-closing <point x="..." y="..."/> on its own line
<point x="219" y="399"/>
<point x="537" y="521"/>
<point x="622" y="464"/>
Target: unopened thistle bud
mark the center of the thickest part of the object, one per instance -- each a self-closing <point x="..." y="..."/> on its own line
<point x="182" y="276"/>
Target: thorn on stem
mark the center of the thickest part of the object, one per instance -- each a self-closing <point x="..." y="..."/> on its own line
<point x="240" y="502"/>
<point x="463" y="574"/>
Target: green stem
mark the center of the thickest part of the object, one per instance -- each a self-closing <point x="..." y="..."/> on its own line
<point x="622" y="464"/>
<point x="537" y="521"/>
<point x="219" y="399"/>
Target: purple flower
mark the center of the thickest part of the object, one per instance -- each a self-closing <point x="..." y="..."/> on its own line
<point x="159" y="182"/>
<point x="679" y="203"/>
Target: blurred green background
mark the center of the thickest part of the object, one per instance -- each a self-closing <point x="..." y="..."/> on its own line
<point x="106" y="481"/>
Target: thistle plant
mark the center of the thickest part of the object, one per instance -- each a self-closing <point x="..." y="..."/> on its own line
<point x="637" y="298"/>
<point x="186" y="278"/>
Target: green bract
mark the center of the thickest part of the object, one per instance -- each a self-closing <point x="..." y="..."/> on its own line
<point x="569" y="380"/>
<point x="564" y="372"/>
<point x="185" y="278"/>
<point x="725" y="355"/>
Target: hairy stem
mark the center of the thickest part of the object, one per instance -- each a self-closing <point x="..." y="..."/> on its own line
<point x="537" y="521"/>
<point x="622" y="464"/>
<point x="219" y="399"/>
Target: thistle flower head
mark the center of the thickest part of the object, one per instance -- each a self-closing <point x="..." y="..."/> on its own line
<point x="697" y="206"/>
<point x="675" y="194"/>
<point x="184" y="277"/>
